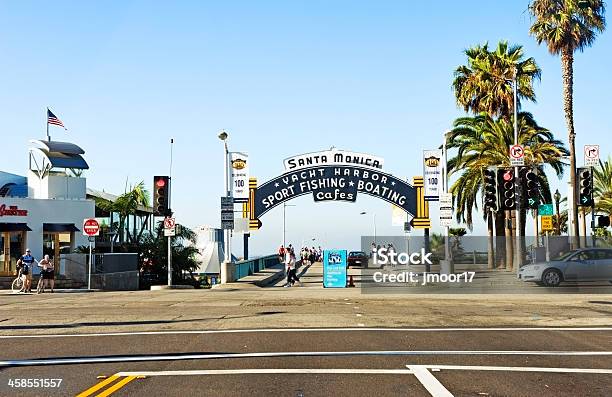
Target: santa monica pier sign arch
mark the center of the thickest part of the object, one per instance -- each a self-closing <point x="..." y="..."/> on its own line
<point x="336" y="175"/>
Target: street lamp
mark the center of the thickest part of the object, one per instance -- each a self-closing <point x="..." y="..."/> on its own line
<point x="374" y="221"/>
<point x="557" y="197"/>
<point x="447" y="251"/>
<point x="226" y="233"/>
<point x="285" y="205"/>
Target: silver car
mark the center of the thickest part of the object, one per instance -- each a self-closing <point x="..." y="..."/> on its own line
<point x="588" y="264"/>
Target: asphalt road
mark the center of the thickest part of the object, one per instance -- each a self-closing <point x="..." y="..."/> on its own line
<point x="323" y="362"/>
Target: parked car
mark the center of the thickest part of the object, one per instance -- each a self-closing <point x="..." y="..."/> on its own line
<point x="147" y="279"/>
<point x="587" y="264"/>
<point x="357" y="258"/>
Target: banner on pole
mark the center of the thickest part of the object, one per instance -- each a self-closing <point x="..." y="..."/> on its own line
<point x="432" y="174"/>
<point x="239" y="176"/>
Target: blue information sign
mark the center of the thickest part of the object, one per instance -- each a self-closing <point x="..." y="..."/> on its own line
<point x="334" y="268"/>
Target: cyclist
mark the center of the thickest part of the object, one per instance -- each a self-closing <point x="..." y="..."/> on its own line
<point x="25" y="263"/>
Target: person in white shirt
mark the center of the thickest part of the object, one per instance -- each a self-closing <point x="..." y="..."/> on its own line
<point x="291" y="271"/>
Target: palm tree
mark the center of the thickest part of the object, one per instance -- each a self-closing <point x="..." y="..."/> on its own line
<point x="482" y="142"/>
<point x="125" y="205"/>
<point x="566" y="26"/>
<point x="484" y="84"/>
<point x="602" y="186"/>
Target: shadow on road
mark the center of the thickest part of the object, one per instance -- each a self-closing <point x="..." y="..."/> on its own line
<point x="97" y="324"/>
<point x="119" y="323"/>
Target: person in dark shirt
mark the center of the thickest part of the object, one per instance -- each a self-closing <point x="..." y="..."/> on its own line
<point x="26" y="263"/>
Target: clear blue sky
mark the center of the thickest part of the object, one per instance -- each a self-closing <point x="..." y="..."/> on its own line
<point x="281" y="77"/>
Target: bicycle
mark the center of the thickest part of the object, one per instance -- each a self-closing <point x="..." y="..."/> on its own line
<point x="18" y="283"/>
<point x="40" y="287"/>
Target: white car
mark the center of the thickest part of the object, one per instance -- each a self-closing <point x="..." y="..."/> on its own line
<point x="587" y="264"/>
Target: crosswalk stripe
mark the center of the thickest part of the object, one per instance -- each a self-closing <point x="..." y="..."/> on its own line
<point x="429" y="382"/>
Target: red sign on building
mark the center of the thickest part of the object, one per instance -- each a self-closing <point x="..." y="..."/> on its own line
<point x="12" y="210"/>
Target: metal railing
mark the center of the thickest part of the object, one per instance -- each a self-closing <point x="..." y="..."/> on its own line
<point x="251" y="266"/>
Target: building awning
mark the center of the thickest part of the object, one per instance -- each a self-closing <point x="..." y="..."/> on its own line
<point x="59" y="227"/>
<point x="14" y="227"/>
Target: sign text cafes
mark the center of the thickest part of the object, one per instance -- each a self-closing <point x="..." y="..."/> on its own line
<point x="334" y="183"/>
<point x="12" y="210"/>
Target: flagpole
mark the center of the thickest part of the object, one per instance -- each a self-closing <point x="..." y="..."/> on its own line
<point x="47" y="120"/>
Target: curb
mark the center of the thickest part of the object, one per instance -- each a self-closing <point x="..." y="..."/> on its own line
<point x="55" y="291"/>
<point x="164" y="287"/>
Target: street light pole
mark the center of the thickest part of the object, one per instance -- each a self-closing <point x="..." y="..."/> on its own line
<point x="374" y="221"/>
<point x="285" y="205"/>
<point x="226" y="232"/>
<point x="228" y="240"/>
<point x="557" y="197"/>
<point x="170" y="207"/>
<point x="519" y="248"/>
<point x="374" y="217"/>
<point x="447" y="252"/>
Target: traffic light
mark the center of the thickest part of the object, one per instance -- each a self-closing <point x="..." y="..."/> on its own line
<point x="490" y="189"/>
<point x="161" y="195"/>
<point x="585" y="187"/>
<point x="530" y="187"/>
<point x="506" y="181"/>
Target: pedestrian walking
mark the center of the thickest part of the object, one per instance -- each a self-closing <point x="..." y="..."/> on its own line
<point x="281" y="253"/>
<point x="291" y="271"/>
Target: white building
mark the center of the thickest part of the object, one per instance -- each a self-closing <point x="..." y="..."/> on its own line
<point x="45" y="211"/>
<point x="210" y="250"/>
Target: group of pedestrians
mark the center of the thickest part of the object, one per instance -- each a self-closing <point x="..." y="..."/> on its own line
<point x="25" y="267"/>
<point x="311" y="255"/>
<point x="286" y="255"/>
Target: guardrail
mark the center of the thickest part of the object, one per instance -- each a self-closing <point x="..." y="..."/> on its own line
<point x="251" y="266"/>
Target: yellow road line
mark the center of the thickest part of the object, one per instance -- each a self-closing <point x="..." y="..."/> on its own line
<point x="98" y="386"/>
<point x="116" y="386"/>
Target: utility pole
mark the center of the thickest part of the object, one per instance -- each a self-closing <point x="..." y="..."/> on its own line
<point x="170" y="214"/>
<point x="228" y="237"/>
<point x="285" y="205"/>
<point x="518" y="260"/>
<point x="447" y="251"/>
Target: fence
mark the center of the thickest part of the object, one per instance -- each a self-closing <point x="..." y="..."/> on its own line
<point x="251" y="266"/>
<point x="114" y="263"/>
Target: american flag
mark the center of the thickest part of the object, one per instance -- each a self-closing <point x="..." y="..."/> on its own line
<point x="52" y="119"/>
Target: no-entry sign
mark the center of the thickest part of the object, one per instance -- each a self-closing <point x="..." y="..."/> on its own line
<point x="91" y="227"/>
